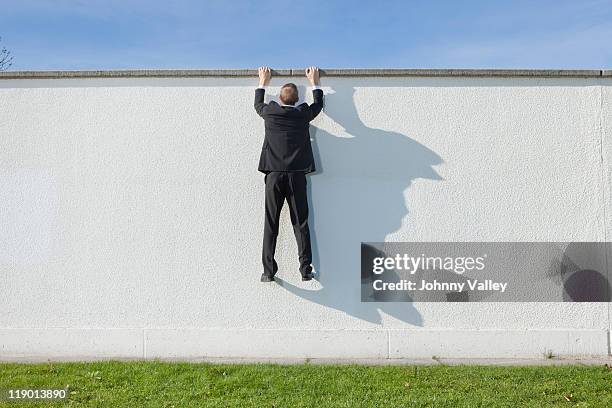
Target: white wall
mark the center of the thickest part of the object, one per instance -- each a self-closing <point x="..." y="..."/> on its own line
<point x="131" y="217"/>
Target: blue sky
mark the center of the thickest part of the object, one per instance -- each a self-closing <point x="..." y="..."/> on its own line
<point x="113" y="34"/>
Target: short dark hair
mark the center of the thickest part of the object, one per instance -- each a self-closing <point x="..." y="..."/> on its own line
<point x="289" y="94"/>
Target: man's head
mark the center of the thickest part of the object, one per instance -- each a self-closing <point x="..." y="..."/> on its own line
<point x="289" y="94"/>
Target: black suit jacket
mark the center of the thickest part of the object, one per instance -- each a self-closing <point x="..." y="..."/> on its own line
<point x="286" y="144"/>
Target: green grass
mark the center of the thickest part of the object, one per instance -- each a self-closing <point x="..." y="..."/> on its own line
<point x="165" y="384"/>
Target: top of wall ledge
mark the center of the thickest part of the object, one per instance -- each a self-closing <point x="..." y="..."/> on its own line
<point x="178" y="73"/>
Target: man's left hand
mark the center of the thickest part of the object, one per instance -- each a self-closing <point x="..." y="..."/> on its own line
<point x="264" y="75"/>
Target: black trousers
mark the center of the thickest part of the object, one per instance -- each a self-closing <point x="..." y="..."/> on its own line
<point x="290" y="186"/>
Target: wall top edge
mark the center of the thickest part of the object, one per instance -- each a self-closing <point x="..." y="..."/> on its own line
<point x="166" y="73"/>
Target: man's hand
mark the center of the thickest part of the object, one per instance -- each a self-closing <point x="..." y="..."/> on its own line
<point x="264" y="75"/>
<point x="312" y="73"/>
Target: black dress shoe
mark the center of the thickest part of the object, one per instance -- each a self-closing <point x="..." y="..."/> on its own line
<point x="307" y="276"/>
<point x="266" y="278"/>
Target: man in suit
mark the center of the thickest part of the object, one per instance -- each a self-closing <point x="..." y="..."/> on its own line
<point x="286" y="158"/>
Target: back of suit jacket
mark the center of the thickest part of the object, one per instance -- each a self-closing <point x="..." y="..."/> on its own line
<point x="287" y="144"/>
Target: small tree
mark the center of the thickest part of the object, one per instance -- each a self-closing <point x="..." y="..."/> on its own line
<point x="6" y="59"/>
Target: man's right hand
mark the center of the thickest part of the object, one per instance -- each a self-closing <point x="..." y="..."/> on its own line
<point x="312" y="73"/>
<point x="264" y="75"/>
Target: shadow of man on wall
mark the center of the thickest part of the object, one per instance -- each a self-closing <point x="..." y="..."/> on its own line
<point x="357" y="195"/>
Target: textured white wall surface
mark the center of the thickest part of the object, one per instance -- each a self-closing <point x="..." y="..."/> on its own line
<point x="131" y="214"/>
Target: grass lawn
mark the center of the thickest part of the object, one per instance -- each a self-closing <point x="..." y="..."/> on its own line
<point x="168" y="384"/>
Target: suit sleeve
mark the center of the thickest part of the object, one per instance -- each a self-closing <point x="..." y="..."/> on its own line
<point x="317" y="105"/>
<point x="259" y="101"/>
